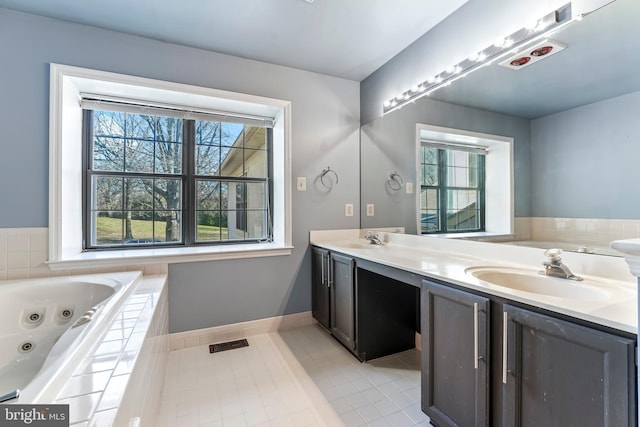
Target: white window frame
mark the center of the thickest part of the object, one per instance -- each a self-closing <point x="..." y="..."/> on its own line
<point x="65" y="165"/>
<point x="499" y="197"/>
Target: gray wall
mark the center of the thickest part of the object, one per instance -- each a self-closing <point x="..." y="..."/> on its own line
<point x="389" y="144"/>
<point x="584" y="161"/>
<point x="325" y="114"/>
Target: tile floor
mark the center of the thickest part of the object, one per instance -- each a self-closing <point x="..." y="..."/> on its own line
<point x="298" y="377"/>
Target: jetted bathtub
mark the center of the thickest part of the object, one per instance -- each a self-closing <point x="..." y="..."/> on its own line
<point x="48" y="325"/>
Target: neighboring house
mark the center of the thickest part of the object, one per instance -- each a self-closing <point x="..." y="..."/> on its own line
<point x="240" y="221"/>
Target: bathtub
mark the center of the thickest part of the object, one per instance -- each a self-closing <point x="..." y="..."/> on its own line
<point x="97" y="343"/>
<point x="47" y="325"/>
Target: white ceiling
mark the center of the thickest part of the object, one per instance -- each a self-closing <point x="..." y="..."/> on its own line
<point x="342" y="38"/>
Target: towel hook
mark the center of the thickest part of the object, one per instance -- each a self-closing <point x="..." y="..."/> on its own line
<point x="395" y="181"/>
<point x="324" y="173"/>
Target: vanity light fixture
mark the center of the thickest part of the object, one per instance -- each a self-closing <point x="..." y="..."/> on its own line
<point x="507" y="46"/>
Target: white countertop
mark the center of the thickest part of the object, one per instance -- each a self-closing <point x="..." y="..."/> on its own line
<point x="447" y="259"/>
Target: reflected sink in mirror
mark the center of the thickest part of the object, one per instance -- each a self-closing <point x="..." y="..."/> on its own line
<point x="532" y="282"/>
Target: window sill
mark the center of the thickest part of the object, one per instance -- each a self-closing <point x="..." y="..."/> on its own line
<point x="118" y="258"/>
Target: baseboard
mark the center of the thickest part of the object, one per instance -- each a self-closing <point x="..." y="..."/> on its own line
<point x="236" y="331"/>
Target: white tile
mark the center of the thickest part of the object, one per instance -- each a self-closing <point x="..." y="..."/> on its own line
<point x="110" y="347"/>
<point x="352" y="419"/>
<point x="415" y="413"/>
<point x="81" y="407"/>
<point x="85" y="384"/>
<point x="18" y="259"/>
<point x="113" y="393"/>
<point x="18" y="243"/>
<point x="386" y="407"/>
<point x="289" y="378"/>
<point x="187" y="420"/>
<point x="369" y="413"/>
<point x="256" y="417"/>
<point x="400" y="419"/>
<point x="103" y="418"/>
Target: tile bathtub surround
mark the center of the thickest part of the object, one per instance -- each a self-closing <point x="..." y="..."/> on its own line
<point x="295" y="377"/>
<point x="100" y="391"/>
<point x="24" y="252"/>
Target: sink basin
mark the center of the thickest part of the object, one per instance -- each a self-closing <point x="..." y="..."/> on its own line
<point x="360" y="245"/>
<point x="530" y="281"/>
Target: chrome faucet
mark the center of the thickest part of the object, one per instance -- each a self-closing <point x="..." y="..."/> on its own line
<point x="554" y="267"/>
<point x="373" y="238"/>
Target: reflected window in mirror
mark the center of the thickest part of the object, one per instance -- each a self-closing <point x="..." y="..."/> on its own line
<point x="452" y="189"/>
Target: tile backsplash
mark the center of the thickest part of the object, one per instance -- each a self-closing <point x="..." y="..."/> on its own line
<point x="589" y="231"/>
<point x="24" y="252"/>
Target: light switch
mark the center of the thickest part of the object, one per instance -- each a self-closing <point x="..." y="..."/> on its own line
<point x="409" y="187"/>
<point x="370" y="210"/>
<point x="302" y="183"/>
<point x="348" y="209"/>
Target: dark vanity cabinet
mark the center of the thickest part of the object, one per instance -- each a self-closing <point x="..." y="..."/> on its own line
<point x="559" y="373"/>
<point x="320" y="291"/>
<point x="372" y="313"/>
<point x="342" y="299"/>
<point x="455" y="345"/>
<point x="487" y="361"/>
<point x="332" y="294"/>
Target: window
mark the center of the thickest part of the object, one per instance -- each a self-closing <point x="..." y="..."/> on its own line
<point x="452" y="188"/>
<point x="69" y="175"/>
<point x="161" y="180"/>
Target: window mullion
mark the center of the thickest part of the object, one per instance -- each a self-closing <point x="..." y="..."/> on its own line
<point x="481" y="190"/>
<point x="189" y="219"/>
<point x="87" y="145"/>
<point x="442" y="189"/>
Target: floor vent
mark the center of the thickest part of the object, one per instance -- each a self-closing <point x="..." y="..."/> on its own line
<point x="229" y="345"/>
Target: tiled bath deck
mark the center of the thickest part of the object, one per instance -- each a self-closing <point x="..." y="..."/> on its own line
<point x="297" y="377"/>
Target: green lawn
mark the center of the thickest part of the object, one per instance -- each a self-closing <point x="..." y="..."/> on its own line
<point x="110" y="230"/>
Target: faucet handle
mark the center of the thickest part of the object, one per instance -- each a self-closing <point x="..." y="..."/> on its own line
<point x="553" y="254"/>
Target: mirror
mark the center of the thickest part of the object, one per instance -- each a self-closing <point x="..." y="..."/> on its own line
<point x="573" y="119"/>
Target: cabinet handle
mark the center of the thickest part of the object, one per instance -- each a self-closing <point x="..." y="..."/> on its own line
<point x="475" y="335"/>
<point x="322" y="274"/>
<point x="328" y="272"/>
<point x="505" y="324"/>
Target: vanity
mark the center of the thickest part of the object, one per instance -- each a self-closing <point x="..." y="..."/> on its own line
<point x="502" y="345"/>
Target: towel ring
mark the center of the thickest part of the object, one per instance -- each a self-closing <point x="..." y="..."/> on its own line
<point x="395" y="181"/>
<point x="324" y="173"/>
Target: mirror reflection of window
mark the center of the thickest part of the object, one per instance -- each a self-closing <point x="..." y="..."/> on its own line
<point x="452" y="189"/>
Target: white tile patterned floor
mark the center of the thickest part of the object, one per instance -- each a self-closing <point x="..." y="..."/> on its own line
<point x="297" y="377"/>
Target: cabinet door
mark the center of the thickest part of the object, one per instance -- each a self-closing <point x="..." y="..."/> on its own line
<point x="557" y="373"/>
<point x="455" y="343"/>
<point x="342" y="299"/>
<point x="320" y="301"/>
